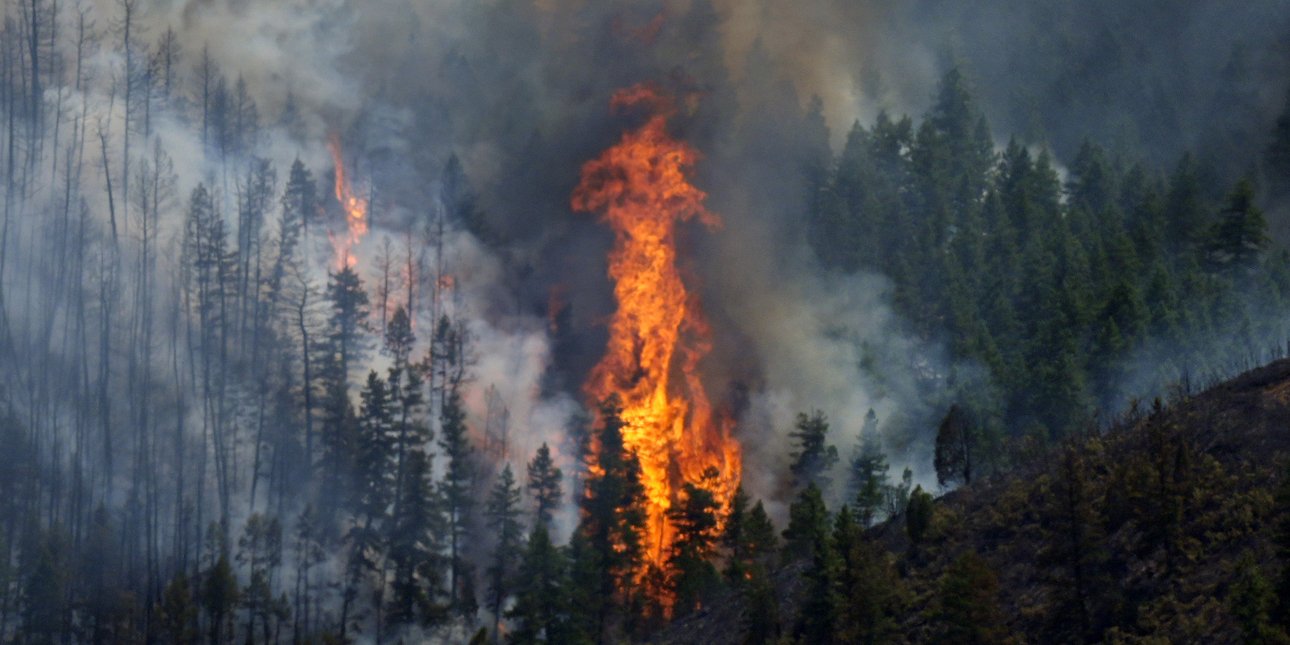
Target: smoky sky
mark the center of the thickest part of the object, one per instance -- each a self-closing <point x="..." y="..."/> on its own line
<point x="766" y="90"/>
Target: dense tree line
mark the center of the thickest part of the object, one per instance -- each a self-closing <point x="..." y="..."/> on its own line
<point x="1074" y="288"/>
<point x="198" y="445"/>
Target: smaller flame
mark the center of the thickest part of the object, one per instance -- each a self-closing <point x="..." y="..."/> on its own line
<point x="355" y="208"/>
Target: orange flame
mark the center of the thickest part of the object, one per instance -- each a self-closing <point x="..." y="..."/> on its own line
<point x="355" y="211"/>
<point x="658" y="335"/>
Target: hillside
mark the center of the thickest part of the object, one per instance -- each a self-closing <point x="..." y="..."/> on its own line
<point x="1161" y="530"/>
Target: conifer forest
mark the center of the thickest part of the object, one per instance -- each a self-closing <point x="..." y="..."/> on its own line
<point x="644" y="321"/>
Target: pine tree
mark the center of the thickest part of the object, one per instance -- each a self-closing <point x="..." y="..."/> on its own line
<point x="954" y="448"/>
<point x="822" y="596"/>
<point x="299" y="206"/>
<point x="761" y="618"/>
<point x="695" y="519"/>
<point x="918" y="515"/>
<point x="969" y="604"/>
<point x="870" y="594"/>
<point x="372" y="489"/>
<point x="347" y="325"/>
<point x="414" y="548"/>
<point x="457" y="498"/>
<point x="1075" y="544"/>
<point x="541" y="604"/>
<point x="734" y="539"/>
<point x="345" y="346"/>
<point x="219" y="596"/>
<point x="1238" y="239"/>
<point x="1251" y="601"/>
<point x="544" y="484"/>
<point x="869" y="473"/>
<point x="260" y="551"/>
<point x="608" y="552"/>
<point x="178" y="613"/>
<point x="502" y="514"/>
<point x="813" y="457"/>
<point x="808" y="524"/>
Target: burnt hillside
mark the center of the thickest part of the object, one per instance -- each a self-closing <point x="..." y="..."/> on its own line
<point x="1163" y="529"/>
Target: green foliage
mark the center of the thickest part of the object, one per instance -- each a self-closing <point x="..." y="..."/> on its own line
<point x="761" y="613"/>
<point x="541" y="610"/>
<point x="609" y="547"/>
<point x="869" y="473"/>
<point x="177" y="611"/>
<point x="748" y="540"/>
<point x="695" y="518"/>
<point x="808" y="524"/>
<point x="456" y="492"/>
<point x="969" y="604"/>
<point x="1251" y="601"/>
<point x="544" y="484"/>
<point x="918" y="515"/>
<point x="954" y="448"/>
<point x="1075" y="544"/>
<point x="502" y="514"/>
<point x="1239" y="237"/>
<point x="219" y="596"/>
<point x="813" y="457"/>
<point x="415" y="542"/>
<point x="1052" y="295"/>
<point x="871" y="596"/>
<point x="822" y="597"/>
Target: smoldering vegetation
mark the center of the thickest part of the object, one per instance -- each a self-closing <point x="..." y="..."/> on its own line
<point x="192" y="442"/>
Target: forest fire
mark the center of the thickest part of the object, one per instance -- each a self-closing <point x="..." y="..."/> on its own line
<point x="658" y="336"/>
<point x="355" y="208"/>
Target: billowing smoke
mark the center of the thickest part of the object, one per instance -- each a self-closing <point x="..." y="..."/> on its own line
<point x="464" y="124"/>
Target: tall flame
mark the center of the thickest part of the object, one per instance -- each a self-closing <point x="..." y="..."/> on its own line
<point x="355" y="208"/>
<point x="658" y="335"/>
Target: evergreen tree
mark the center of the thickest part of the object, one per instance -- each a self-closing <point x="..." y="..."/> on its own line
<point x="969" y="604"/>
<point x="813" y="457"/>
<point x="609" y="551"/>
<point x="918" y="515"/>
<point x="502" y="513"/>
<point x="869" y="473"/>
<point x="345" y="347"/>
<point x="808" y="525"/>
<point x="219" y="596"/>
<point x="1075" y="543"/>
<point x="734" y="539"/>
<point x="1251" y="601"/>
<point x="695" y="519"/>
<point x="1238" y="239"/>
<point x="954" y="448"/>
<point x="822" y="596"/>
<point x="299" y="206"/>
<point x="457" y="494"/>
<point x="869" y="594"/>
<point x="372" y="489"/>
<point x="414" y="547"/>
<point x="541" y="605"/>
<point x="177" y="613"/>
<point x="544" y="484"/>
<point x="347" y="325"/>
<point x="260" y="551"/>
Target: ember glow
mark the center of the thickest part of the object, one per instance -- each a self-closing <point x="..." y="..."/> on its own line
<point x="658" y="336"/>
<point x="355" y="208"/>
